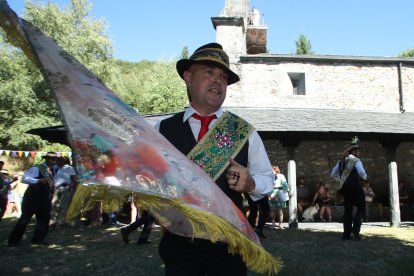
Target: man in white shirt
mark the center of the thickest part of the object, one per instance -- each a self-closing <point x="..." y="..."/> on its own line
<point x="65" y="183"/>
<point x="255" y="17"/>
<point x="207" y="75"/>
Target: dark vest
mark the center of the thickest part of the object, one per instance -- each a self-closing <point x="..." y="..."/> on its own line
<point x="180" y="135"/>
<point x="41" y="191"/>
<point x="353" y="178"/>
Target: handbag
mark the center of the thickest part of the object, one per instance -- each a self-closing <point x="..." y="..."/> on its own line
<point x="283" y="196"/>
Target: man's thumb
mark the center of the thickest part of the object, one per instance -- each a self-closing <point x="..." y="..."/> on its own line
<point x="233" y="163"/>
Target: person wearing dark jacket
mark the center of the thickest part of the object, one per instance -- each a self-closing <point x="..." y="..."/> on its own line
<point x="349" y="171"/>
<point x="37" y="200"/>
<point x="207" y="74"/>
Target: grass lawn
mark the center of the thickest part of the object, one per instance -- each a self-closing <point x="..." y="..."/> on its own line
<point x="100" y="251"/>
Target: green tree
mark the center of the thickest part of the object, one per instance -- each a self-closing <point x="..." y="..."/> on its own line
<point x="166" y="89"/>
<point x="76" y="32"/>
<point x="407" y="53"/>
<point x="303" y="46"/>
<point x="131" y="81"/>
<point x="26" y="101"/>
<point x="151" y="87"/>
<point x="184" y="53"/>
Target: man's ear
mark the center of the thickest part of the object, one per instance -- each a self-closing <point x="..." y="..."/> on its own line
<point x="187" y="77"/>
<point x="187" y="80"/>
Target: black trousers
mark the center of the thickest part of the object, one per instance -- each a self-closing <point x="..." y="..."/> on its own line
<point x="353" y="197"/>
<point x="3" y="205"/>
<point x="36" y="201"/>
<point x="264" y="206"/>
<point x="147" y="220"/>
<point x="195" y="257"/>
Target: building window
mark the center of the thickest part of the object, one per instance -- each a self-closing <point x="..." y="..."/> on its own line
<point x="298" y="83"/>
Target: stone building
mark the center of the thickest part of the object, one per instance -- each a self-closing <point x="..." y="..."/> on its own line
<point x="308" y="107"/>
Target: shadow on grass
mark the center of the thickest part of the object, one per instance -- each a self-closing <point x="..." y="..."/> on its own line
<point x="100" y="251"/>
<point x="383" y="251"/>
<point x="79" y="251"/>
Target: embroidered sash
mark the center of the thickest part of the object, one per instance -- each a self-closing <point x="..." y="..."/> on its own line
<point x="222" y="142"/>
<point x="350" y="164"/>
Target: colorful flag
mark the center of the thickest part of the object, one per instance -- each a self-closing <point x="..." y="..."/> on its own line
<point x="117" y="152"/>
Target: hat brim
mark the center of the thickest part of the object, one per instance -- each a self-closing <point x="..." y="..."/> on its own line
<point x="49" y="156"/>
<point x="352" y="147"/>
<point x="184" y="64"/>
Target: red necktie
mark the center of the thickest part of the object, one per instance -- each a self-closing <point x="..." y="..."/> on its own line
<point x="205" y="122"/>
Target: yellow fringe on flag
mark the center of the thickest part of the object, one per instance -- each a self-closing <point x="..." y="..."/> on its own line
<point x="255" y="256"/>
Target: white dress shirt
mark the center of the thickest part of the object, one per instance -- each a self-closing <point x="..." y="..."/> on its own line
<point x="31" y="176"/>
<point x="258" y="162"/>
<point x="63" y="175"/>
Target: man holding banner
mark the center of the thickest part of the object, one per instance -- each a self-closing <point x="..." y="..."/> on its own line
<point x="200" y="132"/>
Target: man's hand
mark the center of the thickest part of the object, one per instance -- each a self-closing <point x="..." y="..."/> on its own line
<point x="43" y="181"/>
<point x="239" y="178"/>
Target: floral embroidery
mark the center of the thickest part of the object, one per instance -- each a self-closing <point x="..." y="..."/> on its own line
<point x="222" y="142"/>
<point x="224" y="139"/>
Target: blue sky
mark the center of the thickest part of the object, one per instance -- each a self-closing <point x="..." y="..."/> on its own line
<point x="159" y="29"/>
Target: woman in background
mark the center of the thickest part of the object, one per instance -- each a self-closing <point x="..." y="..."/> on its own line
<point x="322" y="197"/>
<point x="278" y="199"/>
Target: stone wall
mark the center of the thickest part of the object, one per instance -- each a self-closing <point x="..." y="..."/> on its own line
<point x="332" y="85"/>
<point x="408" y="87"/>
<point x="233" y="41"/>
<point x="315" y="160"/>
<point x="235" y="8"/>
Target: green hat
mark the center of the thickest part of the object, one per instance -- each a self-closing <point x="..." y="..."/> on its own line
<point x="353" y="145"/>
<point x="210" y="54"/>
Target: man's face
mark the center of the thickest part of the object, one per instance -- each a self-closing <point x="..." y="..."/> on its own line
<point x="60" y="162"/>
<point x="207" y="86"/>
<point x="357" y="153"/>
<point x="50" y="161"/>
